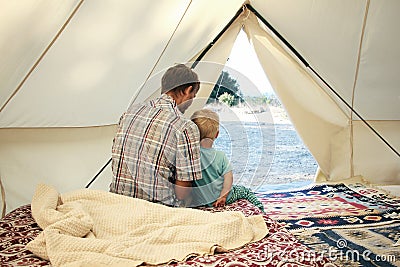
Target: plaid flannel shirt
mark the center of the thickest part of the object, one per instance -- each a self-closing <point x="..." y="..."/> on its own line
<point x="154" y="144"/>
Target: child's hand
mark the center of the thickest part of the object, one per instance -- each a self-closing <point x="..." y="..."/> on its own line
<point x="220" y="202"/>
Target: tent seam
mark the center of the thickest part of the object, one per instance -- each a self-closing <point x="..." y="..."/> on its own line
<point x="41" y="56"/>
<point x="354" y="88"/>
<point x="58" y="127"/>
<point x="162" y="52"/>
<point x="147" y="78"/>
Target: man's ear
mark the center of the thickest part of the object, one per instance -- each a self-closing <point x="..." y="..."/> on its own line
<point x="188" y="90"/>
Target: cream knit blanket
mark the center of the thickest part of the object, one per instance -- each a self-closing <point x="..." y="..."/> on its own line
<point x="92" y="228"/>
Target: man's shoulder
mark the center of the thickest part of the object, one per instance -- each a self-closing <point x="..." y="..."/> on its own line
<point x="183" y="124"/>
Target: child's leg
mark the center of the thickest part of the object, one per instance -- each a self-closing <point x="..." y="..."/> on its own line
<point x="241" y="192"/>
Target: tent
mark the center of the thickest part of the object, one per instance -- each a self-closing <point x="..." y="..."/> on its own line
<point x="69" y="69"/>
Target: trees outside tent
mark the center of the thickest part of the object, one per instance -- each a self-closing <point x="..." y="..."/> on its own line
<point x="226" y="84"/>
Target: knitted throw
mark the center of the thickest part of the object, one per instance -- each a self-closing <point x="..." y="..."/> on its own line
<point x="91" y="227"/>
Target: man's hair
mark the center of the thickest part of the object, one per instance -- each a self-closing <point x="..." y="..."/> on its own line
<point x="207" y="121"/>
<point x="179" y="77"/>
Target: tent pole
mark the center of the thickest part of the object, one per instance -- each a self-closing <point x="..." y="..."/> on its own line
<point x="3" y="199"/>
<point x="301" y="58"/>
<point x="100" y="171"/>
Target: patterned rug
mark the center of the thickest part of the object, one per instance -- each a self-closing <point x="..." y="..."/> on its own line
<point x="351" y="225"/>
<point x="362" y="246"/>
<point x="331" y="206"/>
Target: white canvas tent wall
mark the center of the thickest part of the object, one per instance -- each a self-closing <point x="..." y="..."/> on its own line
<point x="70" y="68"/>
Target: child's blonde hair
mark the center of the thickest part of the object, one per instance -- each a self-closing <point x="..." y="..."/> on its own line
<point x="208" y="123"/>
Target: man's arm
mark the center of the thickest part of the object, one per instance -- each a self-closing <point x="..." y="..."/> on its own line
<point x="183" y="189"/>
<point x="188" y="167"/>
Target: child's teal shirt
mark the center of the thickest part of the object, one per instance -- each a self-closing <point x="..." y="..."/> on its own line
<point x="214" y="164"/>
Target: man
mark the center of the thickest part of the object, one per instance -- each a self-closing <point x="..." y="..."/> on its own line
<point x="156" y="151"/>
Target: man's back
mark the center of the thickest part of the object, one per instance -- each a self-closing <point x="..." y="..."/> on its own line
<point x="154" y="145"/>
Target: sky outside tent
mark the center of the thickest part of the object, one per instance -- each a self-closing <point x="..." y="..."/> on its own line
<point x="244" y="60"/>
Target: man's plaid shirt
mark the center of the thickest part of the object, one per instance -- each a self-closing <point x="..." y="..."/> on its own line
<point x="154" y="144"/>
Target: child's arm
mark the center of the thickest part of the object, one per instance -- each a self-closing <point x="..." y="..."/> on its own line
<point x="228" y="180"/>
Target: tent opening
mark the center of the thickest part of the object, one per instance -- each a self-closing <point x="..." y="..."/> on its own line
<point x="256" y="133"/>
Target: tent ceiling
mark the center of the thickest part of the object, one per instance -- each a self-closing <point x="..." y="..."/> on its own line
<point x="377" y="94"/>
<point x="328" y="35"/>
<point x="26" y="29"/>
<point x="324" y="33"/>
<point x="103" y="56"/>
<point x="107" y="51"/>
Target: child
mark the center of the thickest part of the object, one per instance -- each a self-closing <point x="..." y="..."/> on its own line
<point x="215" y="188"/>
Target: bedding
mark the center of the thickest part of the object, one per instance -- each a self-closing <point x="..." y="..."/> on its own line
<point x="279" y="247"/>
<point x="348" y="242"/>
<point x="92" y="226"/>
